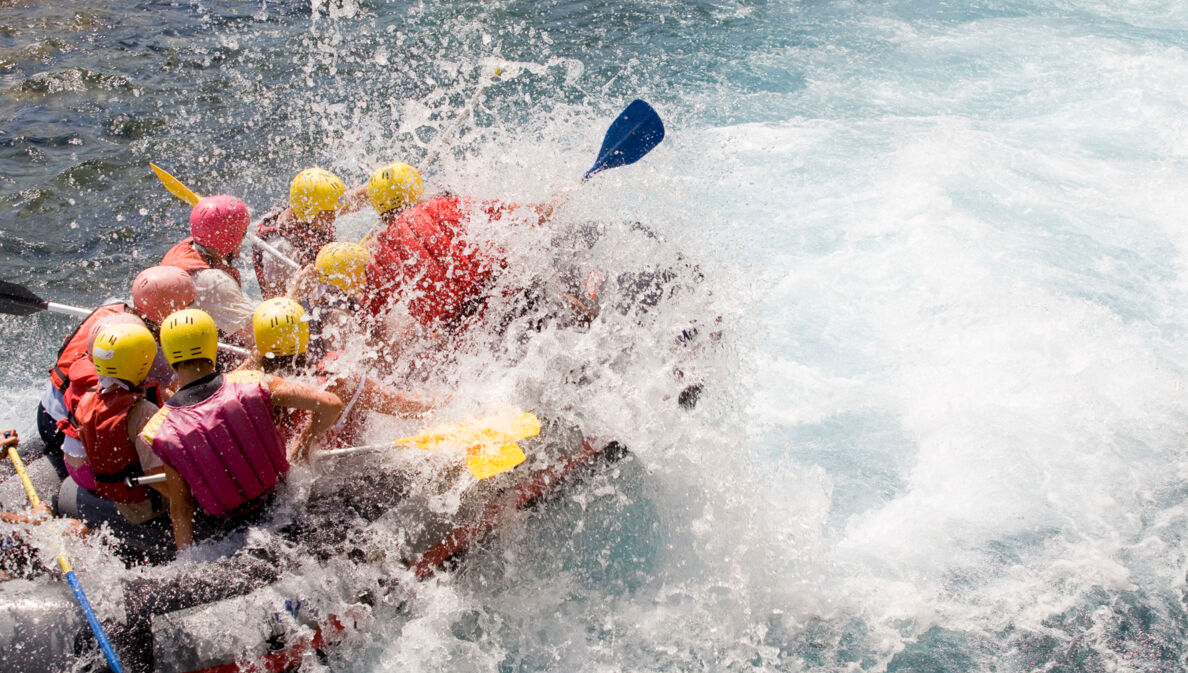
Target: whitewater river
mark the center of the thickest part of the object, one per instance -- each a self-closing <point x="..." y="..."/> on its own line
<point x="943" y="429"/>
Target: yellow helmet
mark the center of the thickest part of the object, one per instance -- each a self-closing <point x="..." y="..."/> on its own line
<point x="394" y="186"/>
<point x="281" y="328"/>
<point x="189" y="335"/>
<point x="343" y="265"/>
<point x="314" y="191"/>
<point x="124" y="352"/>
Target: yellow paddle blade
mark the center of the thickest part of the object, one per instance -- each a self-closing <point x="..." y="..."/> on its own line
<point x="523" y="426"/>
<point x="430" y="439"/>
<point x="489" y="460"/>
<point x="174" y="185"/>
<point x="510" y="427"/>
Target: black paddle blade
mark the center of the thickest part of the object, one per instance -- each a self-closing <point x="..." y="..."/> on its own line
<point x="19" y="300"/>
<point x="633" y="134"/>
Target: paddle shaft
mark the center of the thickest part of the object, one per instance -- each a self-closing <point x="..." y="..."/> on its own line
<point x="66" y="310"/>
<point x="133" y="482"/>
<point x="268" y="248"/>
<point x="335" y="453"/>
<point x="82" y="313"/>
<point x="79" y="596"/>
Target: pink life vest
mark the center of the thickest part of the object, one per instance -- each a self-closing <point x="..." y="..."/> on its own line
<point x="225" y="445"/>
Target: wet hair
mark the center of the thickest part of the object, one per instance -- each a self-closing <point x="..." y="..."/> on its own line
<point x="180" y="363"/>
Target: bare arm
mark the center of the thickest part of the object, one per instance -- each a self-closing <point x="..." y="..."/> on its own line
<point x="380" y="398"/>
<point x="324" y="407"/>
<point x="354" y="200"/>
<point x="181" y="508"/>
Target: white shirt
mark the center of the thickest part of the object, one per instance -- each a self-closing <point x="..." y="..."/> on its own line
<point x="217" y="293"/>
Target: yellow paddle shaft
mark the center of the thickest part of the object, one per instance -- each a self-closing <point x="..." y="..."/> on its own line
<point x="19" y="466"/>
<point x="25" y="481"/>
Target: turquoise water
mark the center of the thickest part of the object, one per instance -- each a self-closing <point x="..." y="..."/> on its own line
<point x="945" y="426"/>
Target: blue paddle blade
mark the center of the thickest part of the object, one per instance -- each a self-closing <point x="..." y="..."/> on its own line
<point x="632" y="135"/>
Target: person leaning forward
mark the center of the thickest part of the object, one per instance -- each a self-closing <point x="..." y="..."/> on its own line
<point x="217" y="435"/>
<point x="156" y="292"/>
<point x="217" y="228"/>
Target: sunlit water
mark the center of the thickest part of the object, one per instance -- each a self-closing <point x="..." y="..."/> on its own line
<point x="943" y="429"/>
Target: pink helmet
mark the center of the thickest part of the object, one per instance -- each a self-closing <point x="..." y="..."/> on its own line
<point x="161" y="290"/>
<point x="219" y="223"/>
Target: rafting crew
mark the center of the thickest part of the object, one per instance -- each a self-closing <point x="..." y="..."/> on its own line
<point x="423" y="272"/>
<point x="217" y="436"/>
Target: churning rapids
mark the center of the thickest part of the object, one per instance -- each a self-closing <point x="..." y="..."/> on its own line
<point x="943" y="426"/>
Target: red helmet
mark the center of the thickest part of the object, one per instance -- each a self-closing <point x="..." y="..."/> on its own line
<point x="219" y="223"/>
<point x="161" y="290"/>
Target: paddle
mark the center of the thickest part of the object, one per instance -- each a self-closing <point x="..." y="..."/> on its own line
<point x="490" y="442"/>
<point x="20" y="300"/>
<point x="85" y="605"/>
<point x="175" y="187"/>
<point x="631" y="135"/>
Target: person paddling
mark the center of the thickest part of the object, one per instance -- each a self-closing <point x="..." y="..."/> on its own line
<point x="425" y="257"/>
<point x="422" y="254"/>
<point x="282" y="343"/>
<point x="222" y="451"/>
<point x="334" y="302"/>
<point x="109" y="418"/>
<point x="156" y="292"/>
<point x="217" y="227"/>
<point x="316" y="198"/>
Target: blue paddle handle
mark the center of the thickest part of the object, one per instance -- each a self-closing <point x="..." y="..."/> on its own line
<point x="96" y="627"/>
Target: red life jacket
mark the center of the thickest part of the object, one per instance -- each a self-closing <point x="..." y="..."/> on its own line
<point x="301" y="235"/>
<point x="103" y="428"/>
<point x="185" y="257"/>
<point x="424" y="255"/>
<point x="83" y="377"/>
<point x="74" y="346"/>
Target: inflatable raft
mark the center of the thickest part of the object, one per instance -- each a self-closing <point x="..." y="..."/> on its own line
<point x="336" y="557"/>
